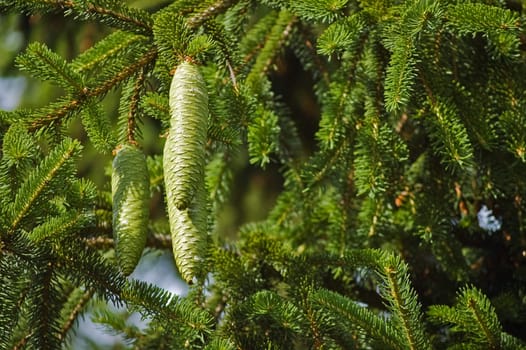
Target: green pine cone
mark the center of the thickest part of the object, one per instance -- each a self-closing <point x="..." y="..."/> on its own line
<point x="130" y="187"/>
<point x="188" y="243"/>
<point x="184" y="162"/>
<point x="184" y="150"/>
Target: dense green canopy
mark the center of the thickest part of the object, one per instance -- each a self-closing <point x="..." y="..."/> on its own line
<point x="338" y="174"/>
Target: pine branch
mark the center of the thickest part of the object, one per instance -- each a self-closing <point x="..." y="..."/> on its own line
<point x="475" y="318"/>
<point x="38" y="6"/>
<point x="55" y="112"/>
<point x="43" y="63"/>
<point x="343" y="35"/>
<point x="45" y="308"/>
<point x="115" y="13"/>
<point x="234" y="276"/>
<point x="13" y="293"/>
<point x="219" y="177"/>
<point x="513" y="127"/>
<point x="226" y="54"/>
<point x="322" y="165"/>
<point x="400" y="75"/>
<point x="511" y="343"/>
<point x="75" y="312"/>
<point x="220" y="344"/>
<point x="436" y="232"/>
<point x="83" y="266"/>
<point x="450" y="137"/>
<point x="448" y="133"/>
<point x="338" y="109"/>
<point x="335" y="119"/>
<point x="98" y="127"/>
<point x="418" y="17"/>
<point x="342" y="308"/>
<point x="176" y="42"/>
<point x="143" y="61"/>
<point x="402" y="300"/>
<point x="58" y="226"/>
<point x="212" y="10"/>
<point x="263" y="133"/>
<point x="275" y="41"/>
<point x="115" y="323"/>
<point x="499" y="25"/>
<point x="318" y="10"/>
<point x="378" y="152"/>
<point x="478" y="306"/>
<point x="19" y="155"/>
<point x="287" y="315"/>
<point x="315" y="327"/>
<point x="31" y="193"/>
<point x="228" y="106"/>
<point x="114" y="46"/>
<point x="184" y="314"/>
<point x="21" y="344"/>
<point x="237" y="17"/>
<point x="156" y="106"/>
<point x="110" y="12"/>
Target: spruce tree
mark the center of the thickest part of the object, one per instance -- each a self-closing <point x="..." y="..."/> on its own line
<point x="399" y="222"/>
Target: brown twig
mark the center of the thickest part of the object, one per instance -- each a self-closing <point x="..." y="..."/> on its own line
<point x="156" y="240"/>
<point x="99" y="91"/>
<point x="74" y="313"/>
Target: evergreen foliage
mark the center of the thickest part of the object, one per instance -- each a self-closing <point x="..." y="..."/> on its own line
<point x="400" y="221"/>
